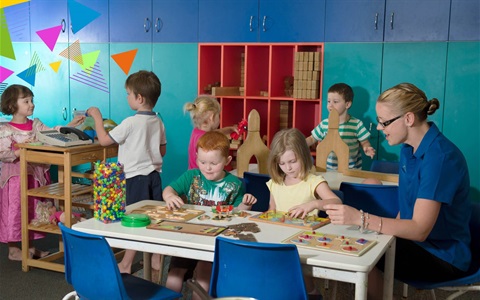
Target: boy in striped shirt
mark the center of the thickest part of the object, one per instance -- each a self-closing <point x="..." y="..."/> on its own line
<point x="351" y="130"/>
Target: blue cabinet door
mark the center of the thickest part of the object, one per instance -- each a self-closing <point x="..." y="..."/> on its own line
<point x="48" y="14"/>
<point x="413" y="20"/>
<point x="465" y="20"/>
<point x="424" y="65"/>
<point x="292" y="21"/>
<point x="177" y="68"/>
<point x="93" y="18"/>
<point x="131" y="21"/>
<point x="118" y="95"/>
<point x="461" y="105"/>
<point x="360" y="66"/>
<point x="354" y="20"/>
<point x="175" y="21"/>
<point x="228" y="21"/>
<point x="90" y="81"/>
<point x="52" y="87"/>
<point x="17" y="19"/>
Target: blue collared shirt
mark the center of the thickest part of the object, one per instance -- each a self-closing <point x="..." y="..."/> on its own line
<point x="438" y="171"/>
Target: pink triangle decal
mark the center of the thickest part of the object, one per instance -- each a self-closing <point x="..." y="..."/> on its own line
<point x="4" y="73"/>
<point x="50" y="36"/>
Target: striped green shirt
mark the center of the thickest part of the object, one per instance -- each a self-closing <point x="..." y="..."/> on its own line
<point x="352" y="133"/>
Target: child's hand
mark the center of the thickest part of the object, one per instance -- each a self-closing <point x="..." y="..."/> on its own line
<point x="249" y="199"/>
<point x="369" y="151"/>
<point x="174" y="201"/>
<point x="94" y="112"/>
<point x="301" y="210"/>
<point x="77" y="120"/>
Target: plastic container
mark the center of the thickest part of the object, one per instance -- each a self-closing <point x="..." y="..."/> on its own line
<point x="135" y="220"/>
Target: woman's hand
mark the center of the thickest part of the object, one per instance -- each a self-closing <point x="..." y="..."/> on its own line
<point x="77" y="120"/>
<point x="343" y="214"/>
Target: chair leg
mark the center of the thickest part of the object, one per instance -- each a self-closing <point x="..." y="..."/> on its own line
<point x="432" y="292"/>
<point x="71" y="295"/>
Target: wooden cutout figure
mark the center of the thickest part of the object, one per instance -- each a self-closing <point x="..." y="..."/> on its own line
<point x="253" y="146"/>
<point x="332" y="142"/>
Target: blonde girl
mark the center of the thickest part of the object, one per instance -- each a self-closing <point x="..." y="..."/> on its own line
<point x="205" y="114"/>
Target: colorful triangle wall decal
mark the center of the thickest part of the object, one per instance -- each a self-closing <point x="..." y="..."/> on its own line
<point x="125" y="59"/>
<point x="6" y="47"/>
<point x="4" y="73"/>
<point x="73" y="52"/>
<point x="89" y="60"/>
<point x="80" y="15"/>
<point x="50" y="36"/>
<point x="56" y="65"/>
<point x="29" y="75"/>
<point x="6" y="3"/>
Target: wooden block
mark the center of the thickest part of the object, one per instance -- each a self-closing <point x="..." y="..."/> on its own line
<point x="311" y="56"/>
<point x="315" y="75"/>
<point x="316" y="56"/>
<point x="316" y="66"/>
<point x="225" y="91"/>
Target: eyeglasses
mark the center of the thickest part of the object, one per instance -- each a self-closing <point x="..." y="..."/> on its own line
<point x="386" y="123"/>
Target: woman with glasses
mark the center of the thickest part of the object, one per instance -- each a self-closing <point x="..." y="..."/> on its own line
<point x="433" y="238"/>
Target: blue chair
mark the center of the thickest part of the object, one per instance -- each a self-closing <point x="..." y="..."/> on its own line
<point x="236" y="263"/>
<point x="91" y="268"/>
<point x="384" y="166"/>
<point x="255" y="184"/>
<point x="380" y="200"/>
<point x="471" y="282"/>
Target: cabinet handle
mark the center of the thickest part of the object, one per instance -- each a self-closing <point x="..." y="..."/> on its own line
<point x="64" y="113"/>
<point x="158" y="24"/>
<point x="376" y="21"/>
<point x="64" y="25"/>
<point x="391" y="20"/>
<point x="146" y="24"/>
<point x="264" y="23"/>
<point x="251" y="23"/>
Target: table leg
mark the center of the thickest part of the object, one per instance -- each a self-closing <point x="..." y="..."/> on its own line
<point x="361" y="286"/>
<point x="147" y="266"/>
<point x="388" y="279"/>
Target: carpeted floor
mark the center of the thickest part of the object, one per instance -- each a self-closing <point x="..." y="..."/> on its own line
<point x="41" y="284"/>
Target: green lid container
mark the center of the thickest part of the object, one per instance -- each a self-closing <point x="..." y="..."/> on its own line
<point x="135" y="220"/>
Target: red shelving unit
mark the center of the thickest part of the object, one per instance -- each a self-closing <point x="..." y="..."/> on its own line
<point x="261" y="71"/>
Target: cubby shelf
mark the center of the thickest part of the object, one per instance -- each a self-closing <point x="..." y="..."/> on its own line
<point x="263" y="72"/>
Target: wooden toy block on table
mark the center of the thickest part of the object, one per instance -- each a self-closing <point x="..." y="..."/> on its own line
<point x="160" y="212"/>
<point x="331" y="243"/>
<point x="201" y="229"/>
<point x="282" y="218"/>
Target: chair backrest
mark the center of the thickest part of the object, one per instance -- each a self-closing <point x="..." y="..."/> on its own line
<point x="332" y="142"/>
<point x="253" y="146"/>
<point x="255" y="184"/>
<point x="380" y="200"/>
<point x="90" y="266"/>
<point x="258" y="270"/>
<point x="383" y="166"/>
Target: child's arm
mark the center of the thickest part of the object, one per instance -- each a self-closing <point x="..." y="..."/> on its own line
<point x="227" y="130"/>
<point x="326" y="197"/>
<point x="367" y="148"/>
<point x="103" y="138"/>
<point x="247" y="202"/>
<point x="163" y="150"/>
<point x="273" y="205"/>
<point x="77" y="120"/>
<point x="170" y="196"/>
<point x="310" y="141"/>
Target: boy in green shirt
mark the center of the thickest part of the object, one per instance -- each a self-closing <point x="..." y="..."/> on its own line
<point x="209" y="185"/>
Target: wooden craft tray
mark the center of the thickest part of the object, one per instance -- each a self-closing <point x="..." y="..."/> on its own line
<point x="183" y="227"/>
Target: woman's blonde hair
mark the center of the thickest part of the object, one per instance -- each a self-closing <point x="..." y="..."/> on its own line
<point x="199" y="109"/>
<point x="289" y="139"/>
<point x="406" y="97"/>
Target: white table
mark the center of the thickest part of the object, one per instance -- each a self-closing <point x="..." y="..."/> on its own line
<point x="323" y="264"/>
<point x="333" y="178"/>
